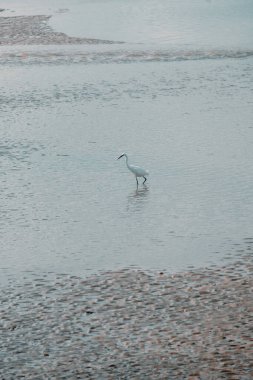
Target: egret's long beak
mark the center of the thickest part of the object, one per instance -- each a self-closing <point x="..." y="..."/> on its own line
<point x="120" y="156"/>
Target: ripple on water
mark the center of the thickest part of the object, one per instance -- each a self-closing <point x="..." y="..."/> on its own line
<point x="15" y="152"/>
<point x="17" y="158"/>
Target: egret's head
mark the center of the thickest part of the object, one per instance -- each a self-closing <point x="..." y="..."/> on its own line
<point x="124" y="154"/>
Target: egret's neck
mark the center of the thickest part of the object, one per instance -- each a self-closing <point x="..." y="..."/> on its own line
<point x="126" y="159"/>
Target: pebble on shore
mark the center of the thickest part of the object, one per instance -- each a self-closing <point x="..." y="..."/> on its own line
<point x="131" y="324"/>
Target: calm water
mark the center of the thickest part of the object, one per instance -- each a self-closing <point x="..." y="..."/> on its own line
<point x="180" y="103"/>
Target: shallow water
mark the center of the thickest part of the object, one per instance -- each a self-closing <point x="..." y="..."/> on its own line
<point x="68" y="206"/>
<point x="197" y="23"/>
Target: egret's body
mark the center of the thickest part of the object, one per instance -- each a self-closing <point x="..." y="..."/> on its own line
<point x="136" y="170"/>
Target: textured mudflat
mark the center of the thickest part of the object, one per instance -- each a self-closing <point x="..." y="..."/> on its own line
<point x="34" y="30"/>
<point x="130" y="325"/>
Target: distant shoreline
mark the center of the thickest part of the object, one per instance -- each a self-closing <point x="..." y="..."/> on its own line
<point x="34" y="30"/>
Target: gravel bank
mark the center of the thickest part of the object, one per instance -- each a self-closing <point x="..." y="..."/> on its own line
<point x="34" y="30"/>
<point x="130" y="324"/>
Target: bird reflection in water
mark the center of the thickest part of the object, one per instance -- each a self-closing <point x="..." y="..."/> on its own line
<point x="137" y="199"/>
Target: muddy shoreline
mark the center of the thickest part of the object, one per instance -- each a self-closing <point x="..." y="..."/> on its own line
<point x="131" y="324"/>
<point x="34" y="30"/>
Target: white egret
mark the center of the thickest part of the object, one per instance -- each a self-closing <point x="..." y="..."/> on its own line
<point x="136" y="170"/>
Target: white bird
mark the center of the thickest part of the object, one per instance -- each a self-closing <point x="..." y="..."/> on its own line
<point x="136" y="170"/>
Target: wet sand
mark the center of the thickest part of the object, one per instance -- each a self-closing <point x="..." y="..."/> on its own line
<point x="131" y="324"/>
<point x="34" y="30"/>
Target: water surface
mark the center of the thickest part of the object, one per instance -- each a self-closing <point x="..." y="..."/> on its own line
<point x="67" y="204"/>
<point x="194" y="23"/>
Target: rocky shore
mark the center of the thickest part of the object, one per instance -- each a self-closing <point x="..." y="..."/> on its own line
<point x="131" y="324"/>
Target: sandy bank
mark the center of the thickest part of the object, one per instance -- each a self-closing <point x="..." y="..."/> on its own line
<point x="34" y="30"/>
<point x="131" y="325"/>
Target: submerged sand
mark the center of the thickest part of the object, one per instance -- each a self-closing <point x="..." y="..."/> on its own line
<point x="131" y="324"/>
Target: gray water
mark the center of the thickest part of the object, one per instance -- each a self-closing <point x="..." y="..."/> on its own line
<point x="181" y="108"/>
<point x="216" y="23"/>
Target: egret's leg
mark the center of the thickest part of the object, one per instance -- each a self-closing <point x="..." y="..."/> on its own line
<point x="145" y="179"/>
<point x="137" y="181"/>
